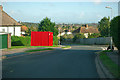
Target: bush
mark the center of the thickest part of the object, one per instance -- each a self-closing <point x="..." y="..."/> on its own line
<point x="67" y="36"/>
<point x="114" y="31"/>
<point x="20" y="41"/>
<point x="78" y="36"/>
<point x="70" y="36"/>
<point x="55" y="40"/>
<point x="94" y="35"/>
<point x="62" y="38"/>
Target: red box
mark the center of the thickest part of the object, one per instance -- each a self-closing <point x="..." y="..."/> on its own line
<point x="41" y="38"/>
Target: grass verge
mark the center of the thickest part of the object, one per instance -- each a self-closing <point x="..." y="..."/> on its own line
<point x="66" y="47"/>
<point x="15" y="47"/>
<point x="110" y="65"/>
<point x="39" y="50"/>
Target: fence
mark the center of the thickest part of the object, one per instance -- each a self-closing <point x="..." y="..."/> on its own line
<point x="92" y="41"/>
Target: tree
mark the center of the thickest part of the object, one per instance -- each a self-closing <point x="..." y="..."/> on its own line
<point x="31" y="29"/>
<point x="104" y="26"/>
<point x="78" y="36"/>
<point x="114" y="31"/>
<point x="47" y="25"/>
<point x="94" y="35"/>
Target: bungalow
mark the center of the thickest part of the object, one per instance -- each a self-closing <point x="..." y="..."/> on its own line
<point x="8" y="24"/>
<point x="85" y="30"/>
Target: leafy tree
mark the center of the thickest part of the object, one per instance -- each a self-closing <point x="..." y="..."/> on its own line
<point x="67" y="36"/>
<point x="104" y="26"/>
<point x="31" y="29"/>
<point x="47" y="25"/>
<point x="94" y="35"/>
<point x="75" y="27"/>
<point x="78" y="36"/>
<point x="114" y="30"/>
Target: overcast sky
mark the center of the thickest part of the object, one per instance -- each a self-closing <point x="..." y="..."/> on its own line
<point x="60" y="12"/>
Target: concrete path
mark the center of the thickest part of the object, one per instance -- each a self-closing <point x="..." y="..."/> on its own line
<point x="77" y="62"/>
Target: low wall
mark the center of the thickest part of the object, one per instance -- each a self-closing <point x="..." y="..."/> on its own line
<point x="92" y="41"/>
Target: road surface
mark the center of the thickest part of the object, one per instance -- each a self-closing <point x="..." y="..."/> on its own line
<point x="77" y="62"/>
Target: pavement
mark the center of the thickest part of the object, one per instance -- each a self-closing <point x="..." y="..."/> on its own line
<point x="77" y="62"/>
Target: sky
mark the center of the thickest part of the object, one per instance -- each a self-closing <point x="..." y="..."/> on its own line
<point x="60" y="12"/>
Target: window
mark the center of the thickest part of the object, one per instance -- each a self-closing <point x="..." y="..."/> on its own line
<point x="3" y="30"/>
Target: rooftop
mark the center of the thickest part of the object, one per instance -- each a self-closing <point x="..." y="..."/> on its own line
<point x="6" y="20"/>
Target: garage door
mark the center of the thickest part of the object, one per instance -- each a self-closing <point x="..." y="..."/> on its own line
<point x="3" y="41"/>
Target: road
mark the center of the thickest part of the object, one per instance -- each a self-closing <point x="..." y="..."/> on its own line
<point x="77" y="62"/>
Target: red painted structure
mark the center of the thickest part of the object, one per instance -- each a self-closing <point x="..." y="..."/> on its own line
<point x="41" y="38"/>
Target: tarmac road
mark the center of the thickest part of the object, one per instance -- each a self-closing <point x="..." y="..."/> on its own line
<point x="77" y="62"/>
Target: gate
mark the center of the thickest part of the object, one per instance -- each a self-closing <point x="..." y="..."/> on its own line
<point x="3" y="41"/>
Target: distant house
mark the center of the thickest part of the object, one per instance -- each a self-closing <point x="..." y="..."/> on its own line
<point x="8" y="24"/>
<point x="85" y="30"/>
<point x="23" y="30"/>
<point x="63" y="33"/>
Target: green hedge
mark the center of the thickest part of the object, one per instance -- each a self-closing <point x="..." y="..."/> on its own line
<point x="26" y="41"/>
<point x="114" y="31"/>
<point x="20" y="41"/>
<point x="55" y="40"/>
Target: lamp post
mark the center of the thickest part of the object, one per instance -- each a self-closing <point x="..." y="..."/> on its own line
<point x="111" y="10"/>
<point x="109" y="30"/>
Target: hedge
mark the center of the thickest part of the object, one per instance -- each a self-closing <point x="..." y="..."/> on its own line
<point x="114" y="31"/>
<point x="20" y="41"/>
<point x="26" y="41"/>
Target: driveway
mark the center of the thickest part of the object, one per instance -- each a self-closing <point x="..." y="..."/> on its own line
<point x="77" y="62"/>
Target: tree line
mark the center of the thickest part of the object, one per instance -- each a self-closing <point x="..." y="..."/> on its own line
<point x="110" y="28"/>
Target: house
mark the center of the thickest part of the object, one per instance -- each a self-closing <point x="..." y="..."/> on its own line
<point x="8" y="24"/>
<point x="85" y="30"/>
<point x="23" y="30"/>
<point x="63" y="32"/>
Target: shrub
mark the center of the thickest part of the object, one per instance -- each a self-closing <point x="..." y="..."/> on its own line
<point x="114" y="31"/>
<point x="78" y="36"/>
<point x="62" y="38"/>
<point x="67" y="36"/>
<point x="20" y="41"/>
<point x="55" y="40"/>
<point x="70" y="36"/>
<point x="94" y="35"/>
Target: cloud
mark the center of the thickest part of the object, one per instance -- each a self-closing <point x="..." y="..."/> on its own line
<point x="97" y="1"/>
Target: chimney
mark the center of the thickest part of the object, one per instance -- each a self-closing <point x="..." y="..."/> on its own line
<point x="1" y="7"/>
